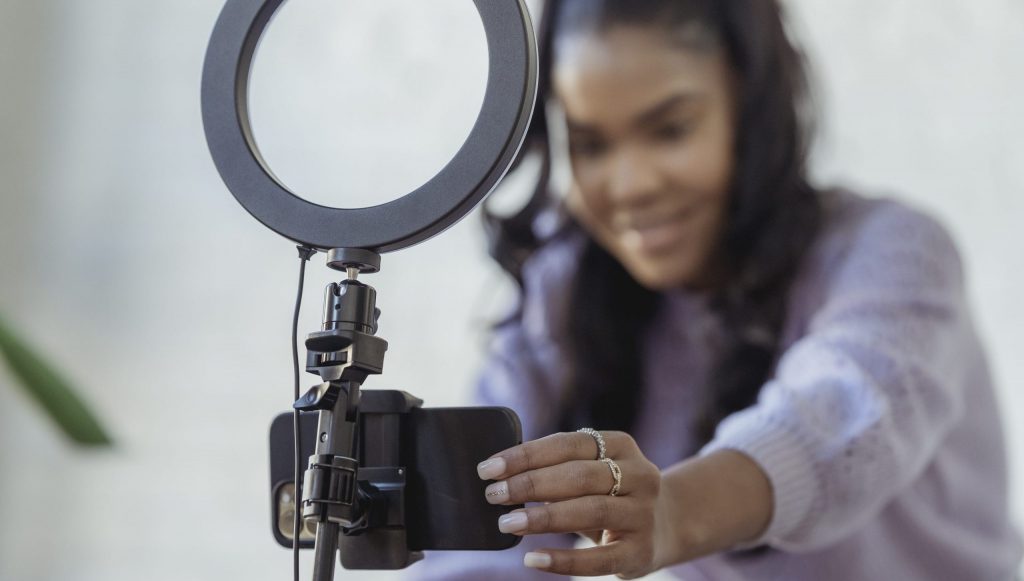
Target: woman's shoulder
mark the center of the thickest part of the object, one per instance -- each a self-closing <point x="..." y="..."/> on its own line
<point x="874" y="251"/>
<point x="875" y="235"/>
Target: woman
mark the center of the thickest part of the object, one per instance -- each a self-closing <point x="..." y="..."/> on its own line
<point x="786" y="381"/>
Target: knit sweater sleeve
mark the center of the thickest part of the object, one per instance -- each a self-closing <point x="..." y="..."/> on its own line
<point x="858" y="406"/>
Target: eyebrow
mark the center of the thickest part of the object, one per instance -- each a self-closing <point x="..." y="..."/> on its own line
<point x="645" y="117"/>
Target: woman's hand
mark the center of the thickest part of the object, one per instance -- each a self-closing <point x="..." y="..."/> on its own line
<point x="697" y="507"/>
<point x="631" y="529"/>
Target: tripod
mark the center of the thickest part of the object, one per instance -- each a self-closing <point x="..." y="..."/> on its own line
<point x="337" y="494"/>
<point x="368" y="503"/>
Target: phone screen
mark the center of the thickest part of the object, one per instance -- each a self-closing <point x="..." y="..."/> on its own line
<point x="446" y="504"/>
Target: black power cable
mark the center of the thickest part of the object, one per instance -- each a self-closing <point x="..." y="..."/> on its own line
<point x="304" y="255"/>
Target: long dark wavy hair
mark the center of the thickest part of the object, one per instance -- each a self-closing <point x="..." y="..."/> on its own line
<point x="773" y="216"/>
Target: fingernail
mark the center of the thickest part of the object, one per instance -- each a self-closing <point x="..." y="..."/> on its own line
<point x="537" y="560"/>
<point x="491" y="469"/>
<point x="497" y="493"/>
<point x="512" y="522"/>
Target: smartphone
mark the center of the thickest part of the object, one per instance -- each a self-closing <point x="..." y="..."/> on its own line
<point x="438" y="450"/>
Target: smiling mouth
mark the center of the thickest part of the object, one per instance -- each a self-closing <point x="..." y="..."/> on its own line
<point x="655" y="236"/>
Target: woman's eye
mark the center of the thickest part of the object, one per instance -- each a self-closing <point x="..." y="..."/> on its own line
<point x="672" y="132"/>
<point x="587" y="147"/>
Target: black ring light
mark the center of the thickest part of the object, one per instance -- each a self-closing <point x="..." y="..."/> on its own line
<point x="478" y="166"/>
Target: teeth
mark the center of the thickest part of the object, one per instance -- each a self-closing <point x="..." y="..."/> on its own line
<point x="633" y="239"/>
<point x="651" y="236"/>
<point x="624" y="222"/>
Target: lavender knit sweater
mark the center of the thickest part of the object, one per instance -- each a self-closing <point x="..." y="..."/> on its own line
<point x="878" y="430"/>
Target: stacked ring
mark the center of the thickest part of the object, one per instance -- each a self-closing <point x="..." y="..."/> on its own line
<point x="616" y="474"/>
<point x="601" y="448"/>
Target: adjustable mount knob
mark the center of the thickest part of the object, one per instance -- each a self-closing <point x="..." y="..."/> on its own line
<point x="319" y="397"/>
<point x="351" y="305"/>
<point x="364" y="261"/>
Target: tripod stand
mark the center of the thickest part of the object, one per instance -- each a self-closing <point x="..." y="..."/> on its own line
<point x="336" y="493"/>
<point x="368" y="503"/>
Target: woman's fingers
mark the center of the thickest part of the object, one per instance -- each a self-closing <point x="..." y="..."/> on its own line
<point x="552" y="450"/>
<point x="569" y="480"/>
<point x="562" y="470"/>
<point x="587" y="513"/>
<point x="610" y="559"/>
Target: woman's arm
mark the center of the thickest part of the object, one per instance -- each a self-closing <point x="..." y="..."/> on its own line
<point x="714" y="503"/>
<point x="696" y="508"/>
<point x="860" y="403"/>
<point x="856" y="410"/>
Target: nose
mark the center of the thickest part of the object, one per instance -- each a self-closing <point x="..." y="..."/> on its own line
<point x="633" y="178"/>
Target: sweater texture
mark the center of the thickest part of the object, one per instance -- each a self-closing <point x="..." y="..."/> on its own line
<point x="878" y="428"/>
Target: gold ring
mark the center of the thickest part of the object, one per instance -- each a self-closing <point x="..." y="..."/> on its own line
<point x="616" y="474"/>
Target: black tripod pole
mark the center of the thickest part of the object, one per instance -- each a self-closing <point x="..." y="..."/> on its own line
<point x="343" y="354"/>
<point x="324" y="557"/>
<point x="333" y="467"/>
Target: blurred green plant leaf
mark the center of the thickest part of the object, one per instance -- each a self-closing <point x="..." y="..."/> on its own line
<point x="51" y="391"/>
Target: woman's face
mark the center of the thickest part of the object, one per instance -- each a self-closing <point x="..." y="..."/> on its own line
<point x="651" y="134"/>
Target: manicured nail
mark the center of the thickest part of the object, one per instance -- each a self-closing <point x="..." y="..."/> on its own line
<point x="497" y="493"/>
<point x="537" y="560"/>
<point x="512" y="522"/>
<point x="491" y="469"/>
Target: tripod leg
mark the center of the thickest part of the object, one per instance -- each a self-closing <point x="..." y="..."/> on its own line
<point x="326" y="551"/>
<point x="329" y="492"/>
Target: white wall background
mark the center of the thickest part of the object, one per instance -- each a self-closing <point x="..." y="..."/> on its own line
<point x="125" y="259"/>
